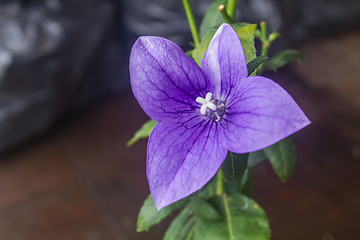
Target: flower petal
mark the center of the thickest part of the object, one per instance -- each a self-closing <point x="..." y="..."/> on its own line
<point x="260" y="114"/>
<point x="164" y="80"/>
<point x="224" y="62"/>
<point x="182" y="158"/>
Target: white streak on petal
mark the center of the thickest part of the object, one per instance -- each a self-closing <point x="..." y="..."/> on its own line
<point x="212" y="62"/>
<point x="217" y="33"/>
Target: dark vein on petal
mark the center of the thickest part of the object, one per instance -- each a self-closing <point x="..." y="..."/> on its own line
<point x="170" y="79"/>
<point x="182" y="162"/>
<point x="164" y="92"/>
<point x="245" y="127"/>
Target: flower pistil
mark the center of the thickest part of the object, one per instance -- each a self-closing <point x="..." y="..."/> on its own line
<point x="212" y="108"/>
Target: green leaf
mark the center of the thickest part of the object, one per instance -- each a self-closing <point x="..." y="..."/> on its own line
<point x="181" y="227"/>
<point x="150" y="216"/>
<point x="282" y="58"/>
<point x="243" y="219"/>
<point x="234" y="166"/>
<point x="242" y="185"/>
<point x="256" y="157"/>
<point x="199" y="51"/>
<point x="143" y="132"/>
<point x="246" y="33"/>
<point x="189" y="54"/>
<point x="204" y="210"/>
<point x="282" y="158"/>
<point x="246" y="185"/>
<point x="253" y="64"/>
<point x="213" y="18"/>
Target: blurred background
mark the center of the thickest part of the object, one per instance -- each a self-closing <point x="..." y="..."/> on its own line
<point x="66" y="113"/>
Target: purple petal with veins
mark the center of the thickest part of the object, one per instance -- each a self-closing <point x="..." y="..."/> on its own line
<point x="164" y="80"/>
<point x="204" y="112"/>
<point x="224" y="60"/>
<point x="182" y="157"/>
<point x="258" y="114"/>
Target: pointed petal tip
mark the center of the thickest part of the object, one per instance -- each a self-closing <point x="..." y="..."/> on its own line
<point x="224" y="62"/>
<point x="148" y="42"/>
<point x="159" y="205"/>
<point x="162" y="204"/>
<point x="220" y="30"/>
<point x="138" y="41"/>
<point x="306" y="122"/>
<point x="224" y="25"/>
<point x="144" y="40"/>
<point x="267" y="115"/>
<point x="163" y="201"/>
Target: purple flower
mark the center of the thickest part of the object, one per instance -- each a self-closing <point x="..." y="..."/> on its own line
<point x="204" y="112"/>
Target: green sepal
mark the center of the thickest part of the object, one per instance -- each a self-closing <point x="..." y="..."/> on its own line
<point x="150" y="216"/>
<point x="143" y="132"/>
<point x="282" y="158"/>
<point x="243" y="219"/>
<point x="234" y="166"/>
<point x="282" y="58"/>
<point x="255" y="63"/>
<point x="212" y="18"/>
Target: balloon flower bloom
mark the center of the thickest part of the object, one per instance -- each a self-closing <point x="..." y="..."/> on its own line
<point x="204" y="112"/>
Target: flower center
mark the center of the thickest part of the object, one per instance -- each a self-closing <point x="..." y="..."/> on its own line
<point x="212" y="108"/>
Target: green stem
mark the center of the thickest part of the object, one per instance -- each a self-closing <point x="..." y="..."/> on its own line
<point x="231" y="8"/>
<point x="264" y="31"/>
<point x="191" y="20"/>
<point x="220" y="184"/>
<point x="265" y="45"/>
<point x="224" y="14"/>
<point x="264" y="52"/>
<point x="265" y="49"/>
<point x="228" y="217"/>
<point x="264" y="39"/>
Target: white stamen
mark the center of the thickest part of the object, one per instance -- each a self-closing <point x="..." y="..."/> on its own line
<point x="211" y="106"/>
<point x="200" y="100"/>
<point x="203" y="109"/>
<point x="206" y="103"/>
<point x="217" y="116"/>
<point x="208" y="97"/>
